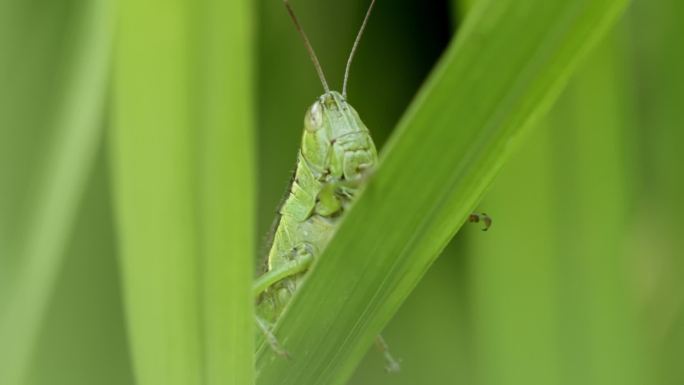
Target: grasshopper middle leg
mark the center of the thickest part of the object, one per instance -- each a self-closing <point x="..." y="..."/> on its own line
<point x="391" y="363"/>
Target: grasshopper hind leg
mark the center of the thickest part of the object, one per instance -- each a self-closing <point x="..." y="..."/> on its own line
<point x="392" y="365"/>
<point x="271" y="338"/>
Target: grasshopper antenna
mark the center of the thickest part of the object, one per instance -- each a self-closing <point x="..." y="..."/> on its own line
<point x="354" y="47"/>
<point x="308" y="45"/>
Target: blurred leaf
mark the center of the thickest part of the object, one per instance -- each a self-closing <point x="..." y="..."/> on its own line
<point x="592" y="202"/>
<point x="657" y="234"/>
<point x="506" y="65"/>
<point x="83" y="340"/>
<point x="227" y="190"/>
<point x="54" y="80"/>
<point x="184" y="182"/>
<point x="552" y="282"/>
<point x="463" y="6"/>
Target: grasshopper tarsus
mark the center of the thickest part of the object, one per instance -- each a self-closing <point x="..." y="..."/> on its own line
<point x="481" y="217"/>
<point x="392" y="366"/>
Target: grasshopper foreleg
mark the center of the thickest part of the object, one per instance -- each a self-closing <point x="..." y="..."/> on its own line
<point x="274" y="276"/>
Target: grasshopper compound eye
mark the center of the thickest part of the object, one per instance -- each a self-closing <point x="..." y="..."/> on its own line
<point x="314" y="118"/>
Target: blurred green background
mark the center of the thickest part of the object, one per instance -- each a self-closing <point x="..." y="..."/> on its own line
<point x="578" y="282"/>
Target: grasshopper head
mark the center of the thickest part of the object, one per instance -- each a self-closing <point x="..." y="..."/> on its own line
<point x="335" y="142"/>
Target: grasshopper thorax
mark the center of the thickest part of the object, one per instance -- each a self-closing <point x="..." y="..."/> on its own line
<point x="336" y="143"/>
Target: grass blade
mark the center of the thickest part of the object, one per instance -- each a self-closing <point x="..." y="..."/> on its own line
<point x="51" y="128"/>
<point x="506" y="65"/>
<point x="184" y="182"/>
<point x="657" y="236"/>
<point x="153" y="174"/>
<point x="227" y="192"/>
<point x="83" y="340"/>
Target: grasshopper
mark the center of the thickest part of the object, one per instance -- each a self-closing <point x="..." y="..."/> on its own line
<point x="336" y="156"/>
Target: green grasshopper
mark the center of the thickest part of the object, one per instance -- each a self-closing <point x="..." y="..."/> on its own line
<point x="336" y="156"/>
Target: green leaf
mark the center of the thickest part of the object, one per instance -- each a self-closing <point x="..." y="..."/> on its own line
<point x="227" y="192"/>
<point x="182" y="151"/>
<point x="51" y="104"/>
<point x="504" y="68"/>
<point x="83" y="337"/>
<point x="657" y="235"/>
